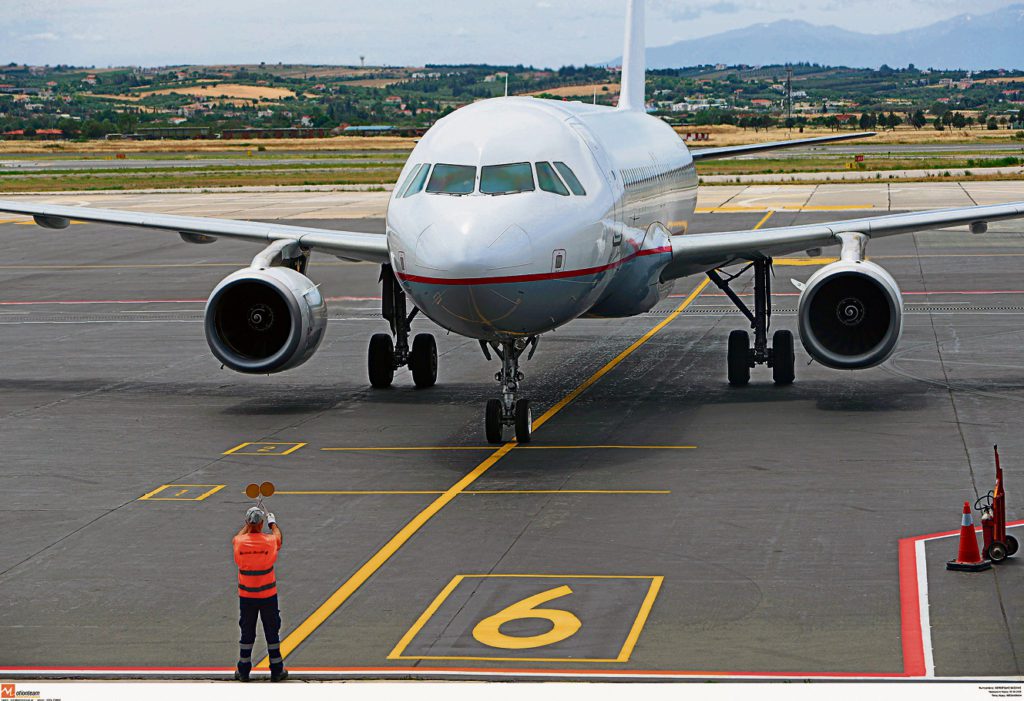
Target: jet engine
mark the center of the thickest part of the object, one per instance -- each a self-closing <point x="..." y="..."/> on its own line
<point x="850" y="315"/>
<point x="265" y="319"/>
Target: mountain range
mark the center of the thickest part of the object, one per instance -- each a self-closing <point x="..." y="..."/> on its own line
<point x="974" y="42"/>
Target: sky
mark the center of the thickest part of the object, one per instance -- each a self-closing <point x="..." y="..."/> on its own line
<point x="543" y="33"/>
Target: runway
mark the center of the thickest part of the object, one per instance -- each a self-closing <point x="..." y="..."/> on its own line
<point x="669" y="526"/>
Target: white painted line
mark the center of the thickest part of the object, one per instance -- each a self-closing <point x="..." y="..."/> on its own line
<point x="923" y="605"/>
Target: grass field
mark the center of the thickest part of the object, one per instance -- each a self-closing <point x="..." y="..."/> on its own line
<point x="202" y="146"/>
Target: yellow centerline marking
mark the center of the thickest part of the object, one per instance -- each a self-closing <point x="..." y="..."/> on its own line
<point x="353" y="583"/>
<point x="360" y="492"/>
<point x="518" y="447"/>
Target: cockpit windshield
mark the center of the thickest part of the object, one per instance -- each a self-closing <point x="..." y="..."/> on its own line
<point x="570" y="179"/>
<point x="506" y="179"/>
<point x="452" y="179"/>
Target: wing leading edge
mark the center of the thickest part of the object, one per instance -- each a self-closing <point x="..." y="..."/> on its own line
<point x="344" y="244"/>
<point x="697" y="253"/>
<point x="706" y="154"/>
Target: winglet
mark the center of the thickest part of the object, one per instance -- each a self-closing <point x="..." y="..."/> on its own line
<point x="634" y="69"/>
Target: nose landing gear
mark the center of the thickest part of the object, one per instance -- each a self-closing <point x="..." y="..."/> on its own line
<point x="780" y="356"/>
<point x="509" y="410"/>
<point x="387" y="355"/>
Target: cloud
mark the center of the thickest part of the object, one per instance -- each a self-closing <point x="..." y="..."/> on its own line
<point x="42" y="36"/>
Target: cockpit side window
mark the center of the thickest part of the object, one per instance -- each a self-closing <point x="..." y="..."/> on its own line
<point x="452" y="179"/>
<point x="506" y="179"/>
<point x="570" y="178"/>
<point x="415" y="182"/>
<point x="548" y="181"/>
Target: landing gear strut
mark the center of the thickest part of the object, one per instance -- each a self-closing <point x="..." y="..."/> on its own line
<point x="509" y="410"/>
<point x="780" y="357"/>
<point x="387" y="355"/>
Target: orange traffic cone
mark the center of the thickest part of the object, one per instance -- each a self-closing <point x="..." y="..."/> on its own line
<point x="968" y="557"/>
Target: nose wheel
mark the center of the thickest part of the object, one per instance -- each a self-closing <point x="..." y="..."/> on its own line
<point x="509" y="410"/>
<point x="780" y="356"/>
<point x="388" y="352"/>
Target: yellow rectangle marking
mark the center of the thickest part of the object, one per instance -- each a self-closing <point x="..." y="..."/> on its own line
<point x="275" y="448"/>
<point x="210" y="489"/>
<point x="353" y="583"/>
<point x="403" y="643"/>
<point x="624" y="653"/>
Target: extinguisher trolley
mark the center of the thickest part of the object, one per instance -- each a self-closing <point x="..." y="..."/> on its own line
<point x="998" y="545"/>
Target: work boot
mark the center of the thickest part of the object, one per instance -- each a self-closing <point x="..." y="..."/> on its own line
<point x="279" y="676"/>
<point x="241" y="676"/>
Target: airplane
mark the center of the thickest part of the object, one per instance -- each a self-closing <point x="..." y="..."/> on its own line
<point x="516" y="215"/>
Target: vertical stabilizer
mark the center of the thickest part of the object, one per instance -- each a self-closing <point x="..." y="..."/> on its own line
<point x="634" y="62"/>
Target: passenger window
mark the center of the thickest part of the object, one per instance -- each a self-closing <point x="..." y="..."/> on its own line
<point x="452" y="180"/>
<point x="548" y="181"/>
<point x="506" y="179"/>
<point x="570" y="178"/>
<point x="417" y="180"/>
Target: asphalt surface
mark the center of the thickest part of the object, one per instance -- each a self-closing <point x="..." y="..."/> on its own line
<point x="749" y="530"/>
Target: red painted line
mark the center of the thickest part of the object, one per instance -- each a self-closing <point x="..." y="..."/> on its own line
<point x="533" y="277"/>
<point x="910" y="611"/>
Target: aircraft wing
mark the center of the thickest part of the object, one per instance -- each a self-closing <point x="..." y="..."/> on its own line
<point x="698" y="253"/>
<point x="344" y="244"/>
<point x="706" y="154"/>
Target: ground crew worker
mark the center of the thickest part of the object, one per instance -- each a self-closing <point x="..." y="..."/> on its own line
<point x="255" y="554"/>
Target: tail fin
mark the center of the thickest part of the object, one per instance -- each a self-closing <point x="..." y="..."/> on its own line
<point x="634" y="62"/>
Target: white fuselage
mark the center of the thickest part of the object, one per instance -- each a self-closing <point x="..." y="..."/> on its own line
<point x="499" y="266"/>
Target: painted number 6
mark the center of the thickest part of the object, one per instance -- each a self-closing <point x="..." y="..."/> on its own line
<point x="563" y="623"/>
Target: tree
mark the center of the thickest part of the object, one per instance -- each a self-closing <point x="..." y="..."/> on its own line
<point x="992" y="125"/>
<point x="917" y="120"/>
<point x="959" y="122"/>
<point x="893" y="121"/>
<point x="938" y="124"/>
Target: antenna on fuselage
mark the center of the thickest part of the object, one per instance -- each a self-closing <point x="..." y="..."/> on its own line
<point x="634" y="70"/>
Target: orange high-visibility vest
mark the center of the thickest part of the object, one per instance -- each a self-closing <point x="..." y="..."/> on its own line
<point x="255" y="554"/>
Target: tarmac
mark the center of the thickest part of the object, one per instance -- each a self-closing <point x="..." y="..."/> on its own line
<point x="662" y="525"/>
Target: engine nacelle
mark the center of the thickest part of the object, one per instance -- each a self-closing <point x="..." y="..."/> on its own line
<point x="850" y="315"/>
<point x="265" y="320"/>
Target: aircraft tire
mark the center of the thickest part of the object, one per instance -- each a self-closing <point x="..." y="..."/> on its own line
<point x="492" y="421"/>
<point x="739" y="358"/>
<point x="524" y="421"/>
<point x="381" y="360"/>
<point x="423" y="360"/>
<point x="783" y="358"/>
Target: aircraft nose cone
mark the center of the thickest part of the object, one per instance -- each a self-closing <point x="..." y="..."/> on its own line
<point x="473" y="250"/>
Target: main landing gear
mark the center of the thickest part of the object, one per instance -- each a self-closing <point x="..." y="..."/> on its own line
<point x="386" y="356"/>
<point x="780" y="356"/>
<point x="509" y="410"/>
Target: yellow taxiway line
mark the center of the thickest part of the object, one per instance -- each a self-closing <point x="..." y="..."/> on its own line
<point x="379" y="558"/>
<point x="518" y="447"/>
<point x="784" y="208"/>
<point x="387" y="492"/>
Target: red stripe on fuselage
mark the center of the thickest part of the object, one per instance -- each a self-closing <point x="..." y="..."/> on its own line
<point x="533" y="277"/>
